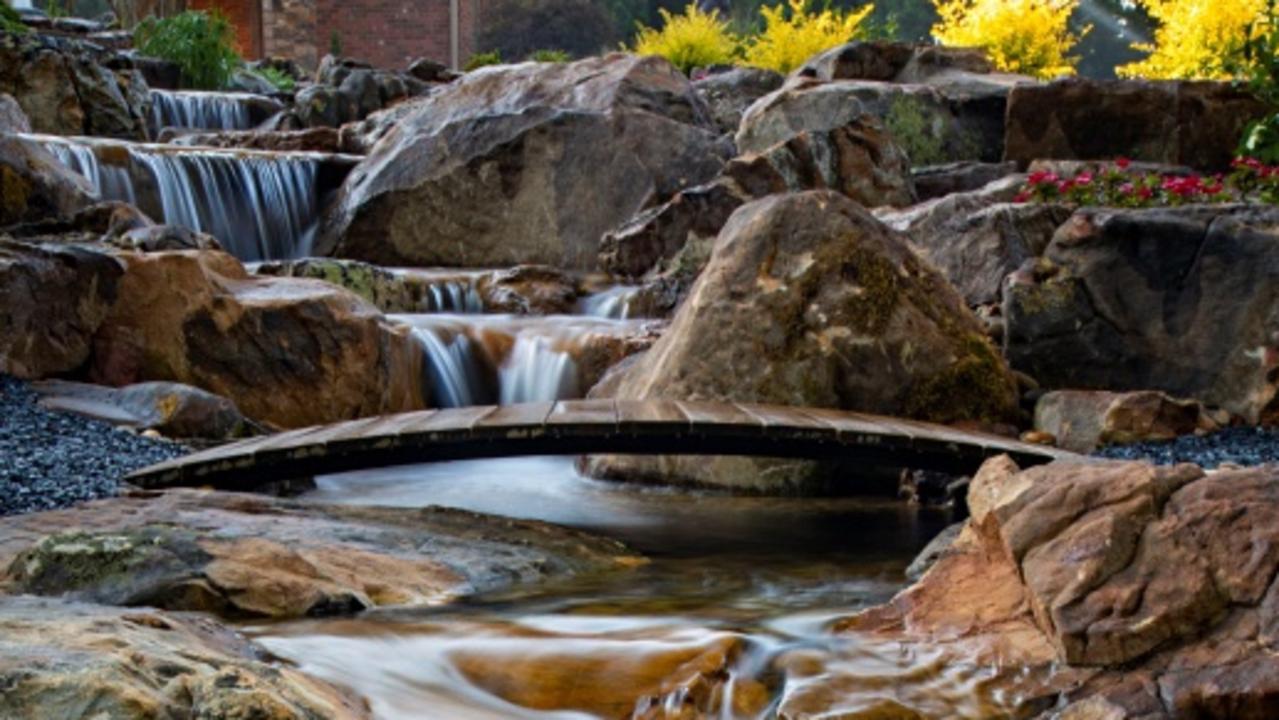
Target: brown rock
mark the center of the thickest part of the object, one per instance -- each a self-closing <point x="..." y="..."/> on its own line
<point x="808" y="301"/>
<point x="254" y="556"/>
<point x="171" y="409"/>
<point x="54" y="299"/>
<point x="528" y="163"/>
<point x="321" y="139"/>
<point x="893" y="62"/>
<point x="62" y="657"/>
<point x="12" y="119"/>
<point x="35" y="186"/>
<point x="728" y="94"/>
<point x="287" y="351"/>
<point x="1173" y="122"/>
<point x="1083" y="420"/>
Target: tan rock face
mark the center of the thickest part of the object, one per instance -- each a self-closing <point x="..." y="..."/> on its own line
<point x="291" y="352"/>
<point x="35" y="186"/>
<point x="252" y="556"/>
<point x="54" y="299"/>
<point x="60" y="658"/>
<point x="529" y="163"/>
<point x="1083" y="420"/>
<point x="1153" y="587"/>
<point x="807" y="300"/>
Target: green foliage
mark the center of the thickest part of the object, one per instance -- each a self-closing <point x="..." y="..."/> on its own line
<point x="479" y="60"/>
<point x="795" y="31"/>
<point x="689" y="40"/>
<point x="1257" y="61"/>
<point x="202" y="44"/>
<point x="1121" y="185"/>
<point x="910" y="125"/>
<point x="282" y="81"/>
<point x="10" y="21"/>
<point x="550" y="56"/>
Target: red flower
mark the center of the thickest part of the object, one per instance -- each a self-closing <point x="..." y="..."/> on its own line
<point x="1122" y="163"/>
<point x="1041" y="177"/>
<point x="1083" y="179"/>
<point x="1023" y="196"/>
<point x="1145" y="193"/>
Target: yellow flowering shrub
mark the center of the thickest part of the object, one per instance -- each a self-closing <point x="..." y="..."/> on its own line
<point x="690" y="39"/>
<point x="794" y="32"/>
<point x="1194" y="37"/>
<point x="1030" y="37"/>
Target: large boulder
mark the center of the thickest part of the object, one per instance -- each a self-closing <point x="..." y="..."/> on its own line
<point x="528" y="163"/>
<point x="64" y="659"/>
<point x="729" y="93"/>
<point x="35" y="186"/>
<point x="53" y="299"/>
<point x="1180" y="300"/>
<point x="894" y="62"/>
<point x="933" y="124"/>
<point x="254" y="556"/>
<point x="976" y="245"/>
<point x="809" y="301"/>
<point x="287" y="351"/>
<point x="1083" y="420"/>
<point x="1175" y="122"/>
<point x="71" y="87"/>
<point x="1121" y="589"/>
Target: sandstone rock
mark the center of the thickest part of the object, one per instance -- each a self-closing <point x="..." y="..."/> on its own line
<point x="528" y="163"/>
<point x="320" y="139"/>
<point x="934" y="125"/>
<point x="893" y="62"/>
<point x="809" y="301"/>
<point x="1110" y="590"/>
<point x="1176" y="300"/>
<point x="172" y="409"/>
<point x="659" y="233"/>
<point x="937" y="181"/>
<point x="360" y="137"/>
<point x="1084" y="420"/>
<point x="976" y="245"/>
<point x="728" y="94"/>
<point x="54" y="299"/>
<point x="1173" y="122"/>
<point x="60" y="658"/>
<point x="253" y="556"/>
<point x="35" y="186"/>
<point x="12" y="119"/>
<point x="290" y="352"/>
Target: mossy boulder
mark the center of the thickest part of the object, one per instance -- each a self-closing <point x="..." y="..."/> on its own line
<point x="809" y="301"/>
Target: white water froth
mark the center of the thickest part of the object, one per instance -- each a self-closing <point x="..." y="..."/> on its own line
<point x="260" y="206"/>
<point x="614" y="303"/>
<point x="199" y="110"/>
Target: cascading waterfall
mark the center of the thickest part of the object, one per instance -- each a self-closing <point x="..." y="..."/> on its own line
<point x="451" y="367"/>
<point x="202" y="110"/>
<point x="614" y="302"/>
<point x="454" y="296"/>
<point x="259" y="205"/>
<point x="536" y="372"/>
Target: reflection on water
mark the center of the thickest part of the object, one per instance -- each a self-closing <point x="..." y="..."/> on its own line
<point x="728" y="621"/>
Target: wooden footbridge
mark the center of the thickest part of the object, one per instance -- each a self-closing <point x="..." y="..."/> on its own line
<point x="579" y="427"/>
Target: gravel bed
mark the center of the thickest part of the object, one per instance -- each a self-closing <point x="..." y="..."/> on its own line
<point x="1238" y="445"/>
<point x="50" y="460"/>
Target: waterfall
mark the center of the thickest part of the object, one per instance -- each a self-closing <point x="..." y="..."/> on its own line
<point x="536" y="372"/>
<point x="452" y="370"/>
<point x="199" y="110"/>
<point x="453" y="296"/>
<point x="614" y="302"/>
<point x="259" y="205"/>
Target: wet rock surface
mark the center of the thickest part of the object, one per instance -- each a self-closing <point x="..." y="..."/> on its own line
<point x="58" y="658"/>
<point x="54" y="459"/>
<point x="243" y="556"/>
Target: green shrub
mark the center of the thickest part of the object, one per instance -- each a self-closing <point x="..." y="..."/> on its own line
<point x="1257" y="61"/>
<point x="689" y="40"/>
<point x="550" y="56"/>
<point x="282" y="81"/>
<point x="479" y="60"/>
<point x="201" y="44"/>
<point x="10" y="21"/>
<point x="796" y="30"/>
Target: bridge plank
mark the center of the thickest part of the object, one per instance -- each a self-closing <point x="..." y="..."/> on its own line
<point x="453" y="420"/>
<point x="523" y="415"/>
<point x="650" y="412"/>
<point x="780" y="416"/>
<point x="602" y="413"/>
<point x="718" y="414"/>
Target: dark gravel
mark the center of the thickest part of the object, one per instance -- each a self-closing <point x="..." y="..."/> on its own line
<point x="1239" y="445"/>
<point x="50" y="460"/>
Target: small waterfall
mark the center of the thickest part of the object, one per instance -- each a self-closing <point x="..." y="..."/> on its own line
<point x="453" y="296"/>
<point x="259" y="205"/>
<point x="614" y="303"/>
<point x="536" y="372"/>
<point x="451" y="367"/>
<point x="196" y="110"/>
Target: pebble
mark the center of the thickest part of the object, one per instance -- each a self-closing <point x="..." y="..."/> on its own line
<point x="50" y="460"/>
<point x="1235" y="446"/>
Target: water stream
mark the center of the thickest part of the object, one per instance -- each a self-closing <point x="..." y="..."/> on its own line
<point x="259" y="205"/>
<point x="729" y="620"/>
<point x="202" y="110"/>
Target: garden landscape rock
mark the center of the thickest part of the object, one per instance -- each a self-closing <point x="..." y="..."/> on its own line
<point x="529" y="163"/>
<point x="809" y="301"/>
<point x="1084" y="420"/>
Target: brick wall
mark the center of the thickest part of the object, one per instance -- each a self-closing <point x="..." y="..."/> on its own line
<point x="391" y="33"/>
<point x="288" y="31"/>
<point x="244" y="16"/>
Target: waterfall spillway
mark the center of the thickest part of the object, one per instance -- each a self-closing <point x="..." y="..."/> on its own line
<point x="615" y="302"/>
<point x="259" y="205"/>
<point x="506" y="359"/>
<point x="204" y="110"/>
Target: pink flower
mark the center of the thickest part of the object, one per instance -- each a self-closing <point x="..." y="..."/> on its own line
<point x="1022" y="197"/>
<point x="1127" y="188"/>
<point x="1083" y="179"/>
<point x="1041" y="177"/>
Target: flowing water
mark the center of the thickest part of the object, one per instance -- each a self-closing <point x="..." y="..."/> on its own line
<point x="614" y="302"/>
<point x="202" y="110"/>
<point x="506" y="359"/>
<point x="729" y="620"/>
<point x="259" y="205"/>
